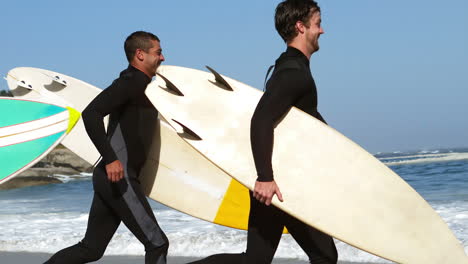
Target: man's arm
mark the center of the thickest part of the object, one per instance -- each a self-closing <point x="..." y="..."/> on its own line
<point x="282" y="93"/>
<point x="106" y="102"/>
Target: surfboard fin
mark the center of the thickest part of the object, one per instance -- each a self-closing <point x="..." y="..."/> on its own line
<point x="56" y="79"/>
<point x="220" y="81"/>
<point x="170" y="86"/>
<point x="24" y="85"/>
<point x="187" y="132"/>
<point x="59" y="80"/>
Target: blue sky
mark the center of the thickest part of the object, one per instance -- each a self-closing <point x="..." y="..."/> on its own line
<point x="391" y="75"/>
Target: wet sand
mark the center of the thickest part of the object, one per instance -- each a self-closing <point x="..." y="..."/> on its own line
<point x="36" y="258"/>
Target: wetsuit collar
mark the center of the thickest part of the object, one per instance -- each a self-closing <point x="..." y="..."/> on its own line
<point x="293" y="52"/>
<point x="131" y="68"/>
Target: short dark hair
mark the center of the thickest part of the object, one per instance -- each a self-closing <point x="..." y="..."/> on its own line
<point x="138" y="40"/>
<point x="289" y="12"/>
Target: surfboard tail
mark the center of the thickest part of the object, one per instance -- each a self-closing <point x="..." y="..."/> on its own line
<point x="29" y="132"/>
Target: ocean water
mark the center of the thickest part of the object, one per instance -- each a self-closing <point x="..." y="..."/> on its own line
<point x="49" y="218"/>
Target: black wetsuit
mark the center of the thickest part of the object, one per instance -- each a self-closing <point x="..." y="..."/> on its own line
<point x="291" y="84"/>
<point x="129" y="123"/>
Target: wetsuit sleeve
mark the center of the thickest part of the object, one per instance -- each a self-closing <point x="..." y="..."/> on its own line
<point x="111" y="99"/>
<point x="283" y="91"/>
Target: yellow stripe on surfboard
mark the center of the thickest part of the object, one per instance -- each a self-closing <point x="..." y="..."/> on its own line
<point x="235" y="208"/>
<point x="74" y="117"/>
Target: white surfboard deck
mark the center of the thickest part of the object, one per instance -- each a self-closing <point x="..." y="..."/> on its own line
<point x="29" y="130"/>
<point x="175" y="174"/>
<point x="327" y="181"/>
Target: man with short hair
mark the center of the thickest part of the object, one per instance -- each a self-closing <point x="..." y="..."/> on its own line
<point x="299" y="24"/>
<point x="117" y="192"/>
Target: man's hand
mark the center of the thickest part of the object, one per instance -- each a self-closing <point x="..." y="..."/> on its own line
<point x="115" y="171"/>
<point x="264" y="192"/>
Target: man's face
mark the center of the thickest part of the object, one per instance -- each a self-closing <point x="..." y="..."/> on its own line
<point x="153" y="58"/>
<point x="313" y="30"/>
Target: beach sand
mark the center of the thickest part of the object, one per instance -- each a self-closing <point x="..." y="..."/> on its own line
<point x="36" y="258"/>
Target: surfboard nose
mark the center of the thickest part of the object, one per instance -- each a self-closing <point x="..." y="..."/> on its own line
<point x="74" y="117"/>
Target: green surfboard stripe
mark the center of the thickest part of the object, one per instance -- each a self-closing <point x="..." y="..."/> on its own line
<point x="15" y="157"/>
<point x="17" y="111"/>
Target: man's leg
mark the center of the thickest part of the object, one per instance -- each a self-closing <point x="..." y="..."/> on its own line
<point x="132" y="207"/>
<point x="265" y="231"/>
<point x="102" y="224"/>
<point x="263" y="236"/>
<point x="319" y="247"/>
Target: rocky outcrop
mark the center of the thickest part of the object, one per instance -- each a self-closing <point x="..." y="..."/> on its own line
<point x="65" y="161"/>
<point x="59" y="161"/>
<point x="25" y="181"/>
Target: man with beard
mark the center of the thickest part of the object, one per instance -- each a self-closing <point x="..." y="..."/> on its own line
<point x="117" y="192"/>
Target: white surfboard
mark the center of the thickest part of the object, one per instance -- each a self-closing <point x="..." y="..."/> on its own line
<point x="327" y="181"/>
<point x="175" y="174"/>
<point x="29" y="130"/>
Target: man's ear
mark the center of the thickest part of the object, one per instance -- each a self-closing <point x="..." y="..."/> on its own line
<point x="139" y="54"/>
<point x="300" y="27"/>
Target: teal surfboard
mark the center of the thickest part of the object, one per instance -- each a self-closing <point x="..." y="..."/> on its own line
<point x="28" y="131"/>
